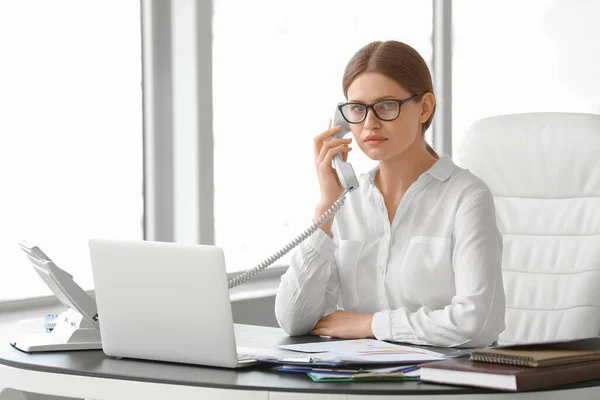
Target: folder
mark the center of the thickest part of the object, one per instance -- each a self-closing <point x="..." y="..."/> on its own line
<point x="386" y="377"/>
<point x="397" y="373"/>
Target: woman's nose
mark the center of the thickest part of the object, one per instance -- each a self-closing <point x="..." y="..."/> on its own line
<point x="372" y="122"/>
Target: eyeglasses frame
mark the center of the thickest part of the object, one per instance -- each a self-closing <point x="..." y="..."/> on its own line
<point x="372" y="107"/>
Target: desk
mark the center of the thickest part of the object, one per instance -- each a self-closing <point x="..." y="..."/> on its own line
<point x="93" y="375"/>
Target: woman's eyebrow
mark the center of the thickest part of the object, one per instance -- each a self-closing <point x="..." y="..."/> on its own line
<point x="374" y="101"/>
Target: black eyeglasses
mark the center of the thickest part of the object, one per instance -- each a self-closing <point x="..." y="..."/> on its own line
<point x="385" y="110"/>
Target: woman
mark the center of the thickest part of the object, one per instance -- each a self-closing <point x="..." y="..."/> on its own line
<point x="414" y="255"/>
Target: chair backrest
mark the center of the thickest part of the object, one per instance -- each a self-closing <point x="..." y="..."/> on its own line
<point x="544" y="172"/>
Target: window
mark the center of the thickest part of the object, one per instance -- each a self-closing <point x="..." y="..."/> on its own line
<point x="277" y="72"/>
<point x="523" y="56"/>
<point x="71" y="143"/>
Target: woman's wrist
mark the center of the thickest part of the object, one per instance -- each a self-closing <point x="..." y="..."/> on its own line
<point x="368" y="321"/>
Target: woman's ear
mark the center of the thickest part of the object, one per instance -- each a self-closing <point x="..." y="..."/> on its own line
<point x="427" y="105"/>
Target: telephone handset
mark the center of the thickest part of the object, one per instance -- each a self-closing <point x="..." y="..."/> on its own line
<point x="344" y="169"/>
<point x="347" y="178"/>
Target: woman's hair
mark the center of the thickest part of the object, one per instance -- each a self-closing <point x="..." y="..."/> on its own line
<point x="397" y="61"/>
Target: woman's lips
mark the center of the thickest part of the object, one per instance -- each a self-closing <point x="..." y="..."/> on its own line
<point x="374" y="140"/>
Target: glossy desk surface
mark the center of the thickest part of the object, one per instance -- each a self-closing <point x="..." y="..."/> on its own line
<point x="259" y="377"/>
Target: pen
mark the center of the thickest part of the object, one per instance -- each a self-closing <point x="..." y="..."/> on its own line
<point x="411" y="368"/>
<point x="301" y="359"/>
<point x="388" y="373"/>
<point x="336" y="370"/>
<point x="316" y="369"/>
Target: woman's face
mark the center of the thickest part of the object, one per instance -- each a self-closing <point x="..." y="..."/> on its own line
<point x="381" y="140"/>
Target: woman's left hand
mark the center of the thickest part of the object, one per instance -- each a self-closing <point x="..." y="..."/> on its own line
<point x="344" y="325"/>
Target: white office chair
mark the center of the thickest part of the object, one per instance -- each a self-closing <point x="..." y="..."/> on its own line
<point x="544" y="172"/>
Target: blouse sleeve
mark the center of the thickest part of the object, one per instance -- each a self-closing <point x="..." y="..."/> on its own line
<point x="309" y="289"/>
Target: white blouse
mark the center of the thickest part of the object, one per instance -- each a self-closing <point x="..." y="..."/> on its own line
<point x="431" y="277"/>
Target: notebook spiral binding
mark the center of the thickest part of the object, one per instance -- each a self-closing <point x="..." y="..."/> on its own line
<point x="520" y="361"/>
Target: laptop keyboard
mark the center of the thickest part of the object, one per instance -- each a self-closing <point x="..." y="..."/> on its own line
<point x="245" y="357"/>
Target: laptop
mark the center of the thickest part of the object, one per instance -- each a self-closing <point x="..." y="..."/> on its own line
<point x="165" y="302"/>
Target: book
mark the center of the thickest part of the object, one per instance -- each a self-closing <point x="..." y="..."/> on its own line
<point x="465" y="372"/>
<point x="541" y="354"/>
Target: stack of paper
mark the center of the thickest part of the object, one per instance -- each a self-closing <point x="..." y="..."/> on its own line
<point x="403" y="373"/>
<point x="360" y="351"/>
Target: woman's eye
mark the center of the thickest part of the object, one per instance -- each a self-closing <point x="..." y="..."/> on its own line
<point x="389" y="105"/>
<point x="357" y="108"/>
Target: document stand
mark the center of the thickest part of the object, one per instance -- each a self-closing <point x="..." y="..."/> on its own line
<point x="76" y="328"/>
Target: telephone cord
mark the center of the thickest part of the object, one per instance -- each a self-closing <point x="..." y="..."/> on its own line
<point x="238" y="280"/>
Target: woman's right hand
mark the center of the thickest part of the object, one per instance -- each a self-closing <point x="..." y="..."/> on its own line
<point x="331" y="188"/>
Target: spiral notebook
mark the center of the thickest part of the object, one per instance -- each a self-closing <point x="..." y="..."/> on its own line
<point x="541" y="354"/>
<point x="463" y="371"/>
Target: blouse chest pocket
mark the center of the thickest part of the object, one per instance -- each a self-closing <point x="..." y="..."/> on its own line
<point x="427" y="276"/>
<point x="349" y="252"/>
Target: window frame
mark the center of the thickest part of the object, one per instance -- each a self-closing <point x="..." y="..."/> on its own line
<point x="179" y="189"/>
<point x="178" y="155"/>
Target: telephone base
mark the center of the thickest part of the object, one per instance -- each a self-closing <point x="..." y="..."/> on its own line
<point x="71" y="332"/>
<point x="42" y="342"/>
